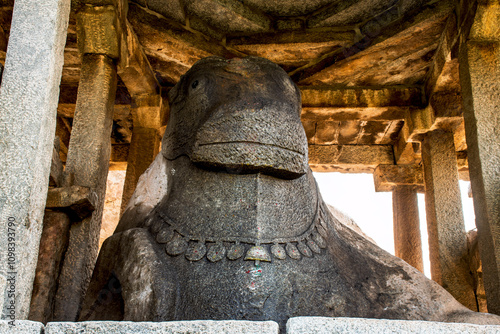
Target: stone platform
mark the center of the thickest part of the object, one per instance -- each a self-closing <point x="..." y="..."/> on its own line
<point x="299" y="325"/>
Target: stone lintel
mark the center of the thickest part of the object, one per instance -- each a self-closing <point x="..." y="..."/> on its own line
<point x="97" y="31"/>
<point x="359" y="97"/>
<point x="349" y="158"/>
<point x="68" y="110"/>
<point x="80" y="201"/>
<point x="353" y="114"/>
<point x="387" y="177"/>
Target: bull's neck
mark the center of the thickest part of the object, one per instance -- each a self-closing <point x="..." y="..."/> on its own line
<point x="253" y="207"/>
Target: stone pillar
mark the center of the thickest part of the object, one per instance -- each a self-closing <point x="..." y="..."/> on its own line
<point x="89" y="150"/>
<point x="407" y="240"/>
<point x="445" y="222"/>
<point x="55" y="235"/>
<point x="145" y="142"/>
<point x="480" y="81"/>
<point x="28" y="104"/>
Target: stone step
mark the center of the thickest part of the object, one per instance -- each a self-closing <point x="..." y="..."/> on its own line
<point x="299" y="325"/>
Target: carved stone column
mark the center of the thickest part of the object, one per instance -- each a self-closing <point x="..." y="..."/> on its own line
<point x="407" y="239"/>
<point x="28" y="104"/>
<point x="89" y="149"/>
<point x="445" y="222"/>
<point x="480" y="81"/>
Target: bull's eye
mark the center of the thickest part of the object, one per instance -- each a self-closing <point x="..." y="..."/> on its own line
<point x="194" y="84"/>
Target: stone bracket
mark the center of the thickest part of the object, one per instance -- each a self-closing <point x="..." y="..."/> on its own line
<point x="78" y="202"/>
<point x="387" y="177"/>
<point x="150" y="111"/>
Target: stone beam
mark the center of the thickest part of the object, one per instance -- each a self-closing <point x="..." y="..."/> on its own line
<point x="445" y="222"/>
<point x="387" y="177"/>
<point x="349" y="158"/>
<point x="359" y="97"/>
<point x="89" y="149"/>
<point x="447" y="42"/>
<point x="480" y="81"/>
<point x="28" y="102"/>
<point x="379" y="28"/>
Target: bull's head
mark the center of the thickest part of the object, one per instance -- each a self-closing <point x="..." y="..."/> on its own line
<point x="239" y="115"/>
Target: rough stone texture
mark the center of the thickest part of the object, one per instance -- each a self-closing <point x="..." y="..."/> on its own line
<point x="445" y="222"/>
<point x="88" y="159"/>
<point x="390" y="66"/>
<point x="150" y="189"/>
<point x="407" y="239"/>
<point x="53" y="245"/>
<point x="172" y="327"/>
<point x="480" y="77"/>
<point x="144" y="147"/>
<point x="249" y="241"/>
<point x="476" y="269"/>
<point x="387" y="177"/>
<point x="21" y="326"/>
<point x="28" y="103"/>
<point x="77" y="201"/>
<point x="112" y="204"/>
<point x="303" y="325"/>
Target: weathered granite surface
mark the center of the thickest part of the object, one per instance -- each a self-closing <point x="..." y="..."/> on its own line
<point x="171" y="327"/>
<point x="320" y="325"/>
<point x="28" y="104"/>
<point x="242" y="232"/>
<point x="21" y="326"/>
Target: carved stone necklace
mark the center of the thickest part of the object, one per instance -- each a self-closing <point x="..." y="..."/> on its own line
<point x="177" y="241"/>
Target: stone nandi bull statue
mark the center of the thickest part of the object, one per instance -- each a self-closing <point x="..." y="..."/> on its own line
<point x="240" y="230"/>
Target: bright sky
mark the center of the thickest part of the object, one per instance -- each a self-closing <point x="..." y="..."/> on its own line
<point x="354" y="194"/>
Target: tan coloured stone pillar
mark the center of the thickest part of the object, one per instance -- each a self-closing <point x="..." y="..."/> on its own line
<point x="407" y="239"/>
<point x="480" y="81"/>
<point x="28" y="105"/>
<point x="445" y="222"/>
<point x="145" y="142"/>
<point x="89" y="150"/>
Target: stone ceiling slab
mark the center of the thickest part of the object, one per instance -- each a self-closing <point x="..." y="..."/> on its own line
<point x="401" y="59"/>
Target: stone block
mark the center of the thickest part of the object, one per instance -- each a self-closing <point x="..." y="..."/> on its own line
<point x="97" y="32"/>
<point x="21" y="326"/>
<point x="321" y="325"/>
<point x="171" y="327"/>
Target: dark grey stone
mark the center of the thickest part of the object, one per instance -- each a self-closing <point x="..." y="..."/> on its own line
<point x="242" y="232"/>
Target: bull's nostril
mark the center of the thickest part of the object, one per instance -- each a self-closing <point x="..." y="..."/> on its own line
<point x="194" y="84"/>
